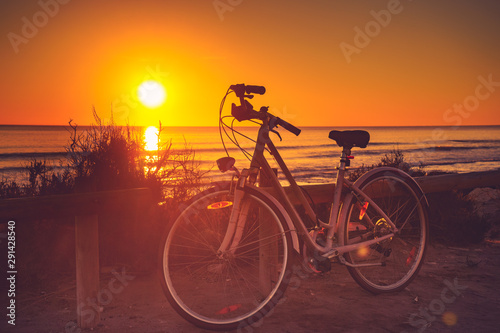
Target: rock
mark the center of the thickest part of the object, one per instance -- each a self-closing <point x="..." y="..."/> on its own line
<point x="486" y="201"/>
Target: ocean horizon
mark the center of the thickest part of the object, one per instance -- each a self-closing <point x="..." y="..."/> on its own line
<point x="312" y="157"/>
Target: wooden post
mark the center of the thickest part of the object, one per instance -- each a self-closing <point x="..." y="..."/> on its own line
<point x="84" y="208"/>
<point x="268" y="249"/>
<point x="87" y="270"/>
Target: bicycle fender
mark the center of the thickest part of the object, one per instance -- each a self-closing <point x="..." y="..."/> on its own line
<point x="395" y="170"/>
<point x="293" y="231"/>
<point x="348" y="198"/>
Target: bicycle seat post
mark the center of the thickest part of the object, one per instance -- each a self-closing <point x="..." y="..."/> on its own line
<point x="344" y="162"/>
<point x="345" y="158"/>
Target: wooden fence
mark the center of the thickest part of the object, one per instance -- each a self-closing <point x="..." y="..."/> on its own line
<point x="323" y="193"/>
<point x="86" y="208"/>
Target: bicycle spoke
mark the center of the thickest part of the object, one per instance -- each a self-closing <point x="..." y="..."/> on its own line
<point x="400" y="254"/>
<point x="225" y="286"/>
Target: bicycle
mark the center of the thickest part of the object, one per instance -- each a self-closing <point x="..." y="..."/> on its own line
<point x="226" y="260"/>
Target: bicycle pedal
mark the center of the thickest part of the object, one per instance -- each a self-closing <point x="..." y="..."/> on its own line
<point x="321" y="266"/>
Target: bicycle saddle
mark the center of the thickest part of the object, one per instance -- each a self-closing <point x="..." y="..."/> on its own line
<point x="350" y="138"/>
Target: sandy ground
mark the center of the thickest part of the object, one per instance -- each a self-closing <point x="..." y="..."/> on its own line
<point x="456" y="291"/>
<point x="330" y="302"/>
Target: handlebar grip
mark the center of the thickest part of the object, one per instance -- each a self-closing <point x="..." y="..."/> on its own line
<point x="289" y="127"/>
<point x="242" y="89"/>
<point x="261" y="90"/>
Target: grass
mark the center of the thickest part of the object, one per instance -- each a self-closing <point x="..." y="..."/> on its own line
<point x="108" y="157"/>
<point x="396" y="159"/>
<point x="104" y="157"/>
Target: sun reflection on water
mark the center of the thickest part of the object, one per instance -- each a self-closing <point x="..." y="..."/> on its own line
<point x="151" y="138"/>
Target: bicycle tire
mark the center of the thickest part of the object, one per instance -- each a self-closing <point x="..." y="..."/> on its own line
<point x="401" y="256"/>
<point x="223" y="291"/>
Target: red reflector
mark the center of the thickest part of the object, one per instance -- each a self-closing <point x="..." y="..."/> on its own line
<point x="228" y="309"/>
<point x="220" y="205"/>
<point x="411" y="256"/>
<point x="363" y="209"/>
<point x="350" y="157"/>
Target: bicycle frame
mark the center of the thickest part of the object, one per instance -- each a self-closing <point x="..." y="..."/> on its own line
<point x="227" y="258"/>
<point x="259" y="163"/>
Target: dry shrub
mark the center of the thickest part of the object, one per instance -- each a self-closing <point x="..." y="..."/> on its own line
<point x="453" y="220"/>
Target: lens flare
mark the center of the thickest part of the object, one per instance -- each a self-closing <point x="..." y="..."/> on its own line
<point x="363" y="251"/>
<point x="449" y="318"/>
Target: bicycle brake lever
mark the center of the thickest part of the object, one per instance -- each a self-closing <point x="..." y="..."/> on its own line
<point x="273" y="124"/>
<point x="276" y="132"/>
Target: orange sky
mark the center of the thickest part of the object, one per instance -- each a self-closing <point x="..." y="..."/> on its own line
<point x="413" y="63"/>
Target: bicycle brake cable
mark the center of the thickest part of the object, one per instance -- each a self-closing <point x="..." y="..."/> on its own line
<point x="221" y="122"/>
<point x="223" y="127"/>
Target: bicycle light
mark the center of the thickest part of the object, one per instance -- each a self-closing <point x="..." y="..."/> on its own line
<point x="220" y="205"/>
<point x="225" y="163"/>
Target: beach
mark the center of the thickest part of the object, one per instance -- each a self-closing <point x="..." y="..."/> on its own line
<point x="329" y="302"/>
<point x="454" y="291"/>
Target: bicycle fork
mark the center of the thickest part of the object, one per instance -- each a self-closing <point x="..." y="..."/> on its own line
<point x="237" y="220"/>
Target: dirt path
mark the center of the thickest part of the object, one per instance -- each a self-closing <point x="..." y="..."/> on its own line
<point x="462" y="284"/>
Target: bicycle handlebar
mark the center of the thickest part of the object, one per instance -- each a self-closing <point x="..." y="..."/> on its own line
<point x="289" y="127"/>
<point x="245" y="111"/>
<point x="242" y="89"/>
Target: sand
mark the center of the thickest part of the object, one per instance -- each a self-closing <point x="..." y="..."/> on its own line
<point x="456" y="291"/>
<point x="328" y="302"/>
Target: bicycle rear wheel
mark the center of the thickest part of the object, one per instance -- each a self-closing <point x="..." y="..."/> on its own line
<point x="400" y="257"/>
<point x="224" y="290"/>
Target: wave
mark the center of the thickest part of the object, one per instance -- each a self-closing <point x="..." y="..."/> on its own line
<point x="13" y="169"/>
<point x="479" y="141"/>
<point x="305" y="148"/>
<point x="28" y="155"/>
<point x="485" y="160"/>
<point x="448" y="148"/>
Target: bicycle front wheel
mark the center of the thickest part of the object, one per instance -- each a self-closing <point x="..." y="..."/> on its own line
<point x="391" y="264"/>
<point x="223" y="289"/>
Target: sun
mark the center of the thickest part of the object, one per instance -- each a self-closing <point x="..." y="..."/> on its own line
<point x="151" y="93"/>
<point x="151" y="138"/>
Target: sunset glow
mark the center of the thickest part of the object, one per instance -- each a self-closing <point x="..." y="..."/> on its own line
<point x="326" y="63"/>
<point x="151" y="138"/>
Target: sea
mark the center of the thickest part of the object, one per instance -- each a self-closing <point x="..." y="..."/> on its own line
<point x="312" y="157"/>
